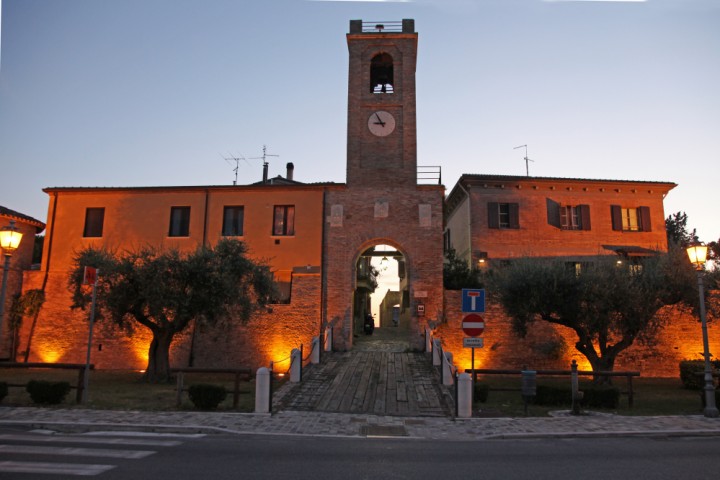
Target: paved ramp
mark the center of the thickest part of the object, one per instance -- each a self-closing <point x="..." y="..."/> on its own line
<point x="379" y="376"/>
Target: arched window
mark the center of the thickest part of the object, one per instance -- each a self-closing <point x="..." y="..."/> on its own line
<point x="381" y="74"/>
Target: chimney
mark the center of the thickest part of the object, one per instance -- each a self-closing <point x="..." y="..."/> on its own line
<point x="265" y="172"/>
<point x="290" y="170"/>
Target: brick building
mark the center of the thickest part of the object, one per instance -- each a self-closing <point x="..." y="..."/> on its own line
<point x="319" y="238"/>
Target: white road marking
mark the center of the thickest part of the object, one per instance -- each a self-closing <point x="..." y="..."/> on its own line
<point x="54" y="468"/>
<point x="84" y="439"/>
<point x="84" y="452"/>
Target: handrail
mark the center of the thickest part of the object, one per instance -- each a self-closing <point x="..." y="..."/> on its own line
<point x="80" y="367"/>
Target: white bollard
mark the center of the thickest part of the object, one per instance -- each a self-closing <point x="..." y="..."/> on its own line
<point x="437" y="348"/>
<point x="315" y="353"/>
<point x="328" y="339"/>
<point x="295" y="366"/>
<point x="428" y="340"/>
<point x="262" y="390"/>
<point x="447" y="370"/>
<point x="464" y="392"/>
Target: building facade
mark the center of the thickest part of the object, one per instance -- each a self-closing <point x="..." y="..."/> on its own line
<point x="319" y="238"/>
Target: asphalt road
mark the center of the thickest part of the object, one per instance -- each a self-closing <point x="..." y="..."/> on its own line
<point x="298" y="457"/>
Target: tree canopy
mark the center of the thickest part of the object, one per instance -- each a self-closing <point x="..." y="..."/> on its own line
<point x="457" y="274"/>
<point x="608" y="305"/>
<point x="165" y="290"/>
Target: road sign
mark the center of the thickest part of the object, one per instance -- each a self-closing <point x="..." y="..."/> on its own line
<point x="473" y="325"/>
<point x="473" y="342"/>
<point x="90" y="276"/>
<point x="473" y="300"/>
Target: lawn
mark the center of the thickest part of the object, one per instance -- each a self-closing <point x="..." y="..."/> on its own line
<point x="125" y="390"/>
<point x="652" y="396"/>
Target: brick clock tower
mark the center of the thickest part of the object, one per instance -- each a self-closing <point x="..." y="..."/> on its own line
<point x="382" y="203"/>
<point x="382" y="135"/>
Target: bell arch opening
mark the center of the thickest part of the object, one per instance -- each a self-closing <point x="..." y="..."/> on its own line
<point x="382" y="74"/>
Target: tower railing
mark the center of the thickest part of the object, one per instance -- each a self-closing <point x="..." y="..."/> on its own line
<point x="429" y="175"/>
<point x="403" y="26"/>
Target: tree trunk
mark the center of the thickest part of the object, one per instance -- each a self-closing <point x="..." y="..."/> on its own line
<point x="605" y="363"/>
<point x="158" y="368"/>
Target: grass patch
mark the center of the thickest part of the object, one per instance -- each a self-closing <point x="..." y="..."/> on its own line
<point x="653" y="396"/>
<point x="125" y="390"/>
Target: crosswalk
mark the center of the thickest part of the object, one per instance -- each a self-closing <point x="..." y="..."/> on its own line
<point x="89" y="454"/>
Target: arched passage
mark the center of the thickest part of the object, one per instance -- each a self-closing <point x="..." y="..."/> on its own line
<point x="381" y="306"/>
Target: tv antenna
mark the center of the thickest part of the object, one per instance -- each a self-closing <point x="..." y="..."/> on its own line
<point x="527" y="160"/>
<point x="264" y="159"/>
<point x="237" y="161"/>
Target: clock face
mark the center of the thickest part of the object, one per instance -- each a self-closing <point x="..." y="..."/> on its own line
<point x="381" y="123"/>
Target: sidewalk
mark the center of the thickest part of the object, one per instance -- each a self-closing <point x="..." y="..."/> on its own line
<point x="349" y="425"/>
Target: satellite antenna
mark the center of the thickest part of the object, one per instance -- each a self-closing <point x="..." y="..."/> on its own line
<point x="527" y="160"/>
<point x="237" y="165"/>
<point x="264" y="159"/>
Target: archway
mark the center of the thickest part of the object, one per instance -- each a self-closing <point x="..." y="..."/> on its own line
<point x="381" y="294"/>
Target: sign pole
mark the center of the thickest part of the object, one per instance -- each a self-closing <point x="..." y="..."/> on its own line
<point x="472" y="383"/>
<point x="86" y="378"/>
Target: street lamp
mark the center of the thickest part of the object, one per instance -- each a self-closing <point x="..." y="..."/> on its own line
<point x="10" y="238"/>
<point x="698" y="254"/>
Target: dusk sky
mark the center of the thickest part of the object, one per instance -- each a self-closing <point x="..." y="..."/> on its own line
<point x="160" y="92"/>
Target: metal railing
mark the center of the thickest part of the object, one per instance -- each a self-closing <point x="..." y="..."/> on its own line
<point x="429" y="175"/>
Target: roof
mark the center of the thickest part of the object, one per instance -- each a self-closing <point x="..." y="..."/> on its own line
<point x="6" y="212"/>
<point x="254" y="186"/>
<point x="468" y="179"/>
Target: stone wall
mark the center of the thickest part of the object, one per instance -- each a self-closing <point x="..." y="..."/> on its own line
<point x="61" y="334"/>
<point x="549" y="346"/>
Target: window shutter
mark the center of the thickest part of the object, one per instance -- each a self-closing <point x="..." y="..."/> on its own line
<point x="585" y="216"/>
<point x="514" y="215"/>
<point x="553" y="212"/>
<point x="493" y="220"/>
<point x="644" y="214"/>
<point x="616" y="214"/>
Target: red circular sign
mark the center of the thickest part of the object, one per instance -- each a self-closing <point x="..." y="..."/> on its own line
<point x="473" y="325"/>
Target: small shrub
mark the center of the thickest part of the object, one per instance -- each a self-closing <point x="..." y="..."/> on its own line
<point x="47" y="393"/>
<point x="3" y="390"/>
<point x="553" y="396"/>
<point x="691" y="373"/>
<point x="600" y="397"/>
<point x="206" y="397"/>
<point x="482" y="390"/>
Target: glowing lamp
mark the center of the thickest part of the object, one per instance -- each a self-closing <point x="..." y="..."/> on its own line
<point x="697" y="254"/>
<point x="10" y="238"/>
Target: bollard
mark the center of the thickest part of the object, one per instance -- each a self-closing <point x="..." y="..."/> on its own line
<point x="574" y="386"/>
<point x="315" y="352"/>
<point x="328" y="339"/>
<point x="437" y="349"/>
<point x="528" y="386"/>
<point x="295" y="365"/>
<point x="263" y="381"/>
<point x="464" y="400"/>
<point x="428" y="340"/>
<point x="447" y="368"/>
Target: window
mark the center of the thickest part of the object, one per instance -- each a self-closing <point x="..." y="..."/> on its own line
<point x="503" y="215"/>
<point x="94" y="218"/>
<point x="233" y="221"/>
<point x="630" y="219"/>
<point x="447" y="241"/>
<point x="179" y="222"/>
<point x="568" y="217"/>
<point x="284" y="220"/>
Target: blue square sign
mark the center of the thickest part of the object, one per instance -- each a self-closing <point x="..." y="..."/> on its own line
<point x="473" y="300"/>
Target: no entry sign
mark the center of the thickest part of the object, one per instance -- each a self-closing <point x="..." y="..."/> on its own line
<point x="473" y="325"/>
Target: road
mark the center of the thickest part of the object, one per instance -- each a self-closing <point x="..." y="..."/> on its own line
<point x="119" y="456"/>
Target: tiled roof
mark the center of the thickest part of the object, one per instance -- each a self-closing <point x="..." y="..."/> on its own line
<point x="6" y="212"/>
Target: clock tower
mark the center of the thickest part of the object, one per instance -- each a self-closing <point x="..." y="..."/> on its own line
<point x="381" y="145"/>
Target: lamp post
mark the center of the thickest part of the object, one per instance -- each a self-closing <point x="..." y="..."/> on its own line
<point x="10" y="238"/>
<point x="698" y="254"/>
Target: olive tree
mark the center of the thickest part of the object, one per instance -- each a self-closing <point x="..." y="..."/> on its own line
<point x="609" y="305"/>
<point x="165" y="290"/>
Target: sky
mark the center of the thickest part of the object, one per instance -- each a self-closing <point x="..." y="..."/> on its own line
<point x="162" y="92"/>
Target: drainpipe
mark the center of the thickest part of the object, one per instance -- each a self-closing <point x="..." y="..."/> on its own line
<point x="469" y="221"/>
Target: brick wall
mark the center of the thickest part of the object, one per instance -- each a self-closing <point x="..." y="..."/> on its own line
<point x="549" y="346"/>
